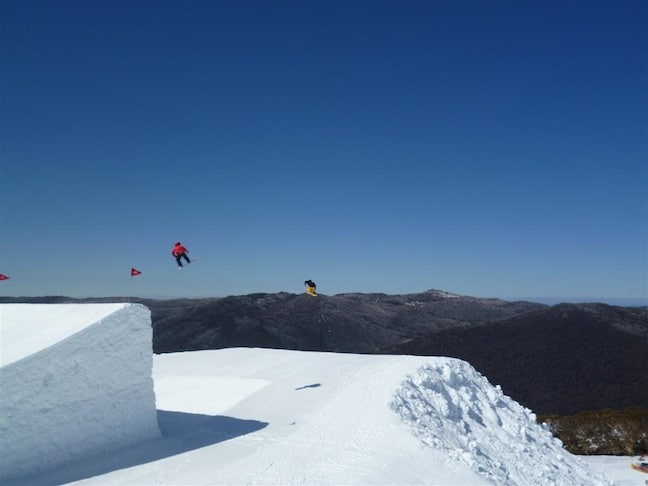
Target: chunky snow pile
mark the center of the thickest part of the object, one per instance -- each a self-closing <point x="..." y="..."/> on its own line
<point x="75" y="380"/>
<point x="452" y="408"/>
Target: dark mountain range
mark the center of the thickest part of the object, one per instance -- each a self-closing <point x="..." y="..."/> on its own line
<point x="560" y="360"/>
<point x="354" y="323"/>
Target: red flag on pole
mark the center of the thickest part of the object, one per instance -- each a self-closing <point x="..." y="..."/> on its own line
<point x="3" y="277"/>
<point x="134" y="272"/>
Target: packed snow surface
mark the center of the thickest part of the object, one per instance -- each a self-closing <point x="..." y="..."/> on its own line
<point x="75" y="380"/>
<point x="262" y="416"/>
<point x="30" y="328"/>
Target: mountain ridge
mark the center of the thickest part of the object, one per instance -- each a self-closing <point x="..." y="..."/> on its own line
<point x="543" y="356"/>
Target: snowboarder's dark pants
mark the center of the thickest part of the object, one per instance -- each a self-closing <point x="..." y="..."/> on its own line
<point x="180" y="256"/>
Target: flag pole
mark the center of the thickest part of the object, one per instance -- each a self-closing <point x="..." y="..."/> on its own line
<point x="133" y="273"/>
<point x="4" y="277"/>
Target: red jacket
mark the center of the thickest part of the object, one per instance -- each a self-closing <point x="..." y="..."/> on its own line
<point x="178" y="250"/>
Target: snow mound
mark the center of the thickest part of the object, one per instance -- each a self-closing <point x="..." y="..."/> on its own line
<point x="75" y="380"/>
<point x="451" y="407"/>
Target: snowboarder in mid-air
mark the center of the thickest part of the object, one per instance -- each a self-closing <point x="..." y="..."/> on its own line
<point x="310" y="288"/>
<point x="180" y="252"/>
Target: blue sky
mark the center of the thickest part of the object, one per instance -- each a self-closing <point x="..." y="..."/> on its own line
<point x="487" y="148"/>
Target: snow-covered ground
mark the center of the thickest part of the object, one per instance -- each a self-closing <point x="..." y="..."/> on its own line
<point x="74" y="380"/>
<point x="260" y="416"/>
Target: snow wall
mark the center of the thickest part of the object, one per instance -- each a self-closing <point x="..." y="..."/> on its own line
<point x="75" y="380"/>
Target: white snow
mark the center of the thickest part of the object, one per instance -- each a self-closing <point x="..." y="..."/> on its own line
<point x="29" y="328"/>
<point x="452" y="408"/>
<point x="262" y="416"/>
<point x="442" y="293"/>
<point x="75" y="380"/>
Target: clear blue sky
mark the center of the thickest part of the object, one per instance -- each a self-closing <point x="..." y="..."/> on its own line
<point x="487" y="148"/>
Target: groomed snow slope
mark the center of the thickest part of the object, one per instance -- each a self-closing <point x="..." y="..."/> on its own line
<point x="252" y="416"/>
<point x="75" y="380"/>
<point x="261" y="416"/>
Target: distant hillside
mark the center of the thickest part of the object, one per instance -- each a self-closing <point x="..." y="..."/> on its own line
<point x="560" y="360"/>
<point x="354" y="323"/>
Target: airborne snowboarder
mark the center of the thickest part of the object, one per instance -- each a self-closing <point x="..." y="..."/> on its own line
<point x="310" y="288"/>
<point x="180" y="252"/>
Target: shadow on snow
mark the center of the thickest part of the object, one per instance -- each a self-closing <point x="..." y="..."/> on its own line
<point x="181" y="432"/>
<point x="314" y="385"/>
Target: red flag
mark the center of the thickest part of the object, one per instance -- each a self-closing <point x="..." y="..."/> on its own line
<point x="134" y="272"/>
<point x="3" y="277"/>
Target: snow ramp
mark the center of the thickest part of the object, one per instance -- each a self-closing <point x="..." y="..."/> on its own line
<point x="345" y="419"/>
<point x="75" y="380"/>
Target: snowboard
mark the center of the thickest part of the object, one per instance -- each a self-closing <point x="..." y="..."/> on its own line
<point x="186" y="264"/>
